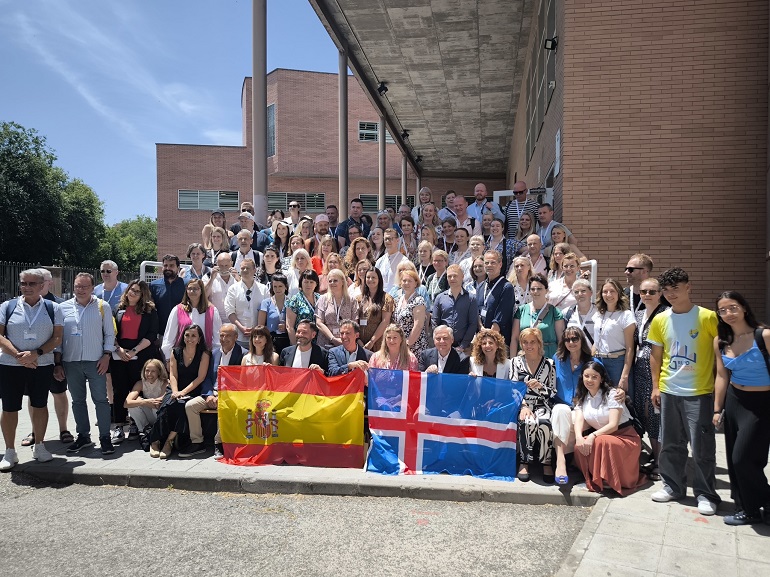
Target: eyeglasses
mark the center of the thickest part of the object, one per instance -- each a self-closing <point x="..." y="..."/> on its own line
<point x="732" y="309"/>
<point x="248" y="295"/>
<point x="134" y="291"/>
<point x="30" y="283"/>
<point x="106" y="271"/>
<point x="571" y="339"/>
<point x="651" y="292"/>
<point x="633" y="268"/>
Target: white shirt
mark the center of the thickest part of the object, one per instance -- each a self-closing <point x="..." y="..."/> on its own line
<point x="539" y="265"/>
<point x="172" y="328"/>
<point x="218" y="293"/>
<point x="387" y="265"/>
<point x="225" y="359"/>
<point x="302" y="358"/>
<point x="597" y="413"/>
<point x="560" y="295"/>
<point x="442" y="361"/>
<point x="608" y="330"/>
<point x="475" y="229"/>
<point x="245" y="310"/>
<point x="584" y="322"/>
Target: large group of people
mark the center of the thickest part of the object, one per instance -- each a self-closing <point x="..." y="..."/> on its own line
<point x="468" y="289"/>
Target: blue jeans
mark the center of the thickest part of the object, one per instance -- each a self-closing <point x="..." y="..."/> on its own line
<point x="77" y="373"/>
<point x="688" y="420"/>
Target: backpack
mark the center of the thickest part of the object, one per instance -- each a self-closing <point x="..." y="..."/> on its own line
<point x="13" y="303"/>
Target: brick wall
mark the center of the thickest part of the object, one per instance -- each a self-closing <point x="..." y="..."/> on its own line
<point x="664" y="137"/>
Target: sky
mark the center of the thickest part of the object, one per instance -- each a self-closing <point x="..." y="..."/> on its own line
<point x="104" y="81"/>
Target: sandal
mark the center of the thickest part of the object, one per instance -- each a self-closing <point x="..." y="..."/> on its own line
<point x="66" y="437"/>
<point x="28" y="441"/>
<point x="654" y="475"/>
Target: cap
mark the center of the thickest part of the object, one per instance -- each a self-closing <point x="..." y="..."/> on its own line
<point x="322" y="218"/>
<point x="246" y="215"/>
<point x="222" y="212"/>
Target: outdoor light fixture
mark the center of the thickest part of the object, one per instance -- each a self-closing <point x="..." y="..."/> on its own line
<point x="382" y="89"/>
<point x="418" y="159"/>
<point x="405" y="135"/>
<point x="551" y="43"/>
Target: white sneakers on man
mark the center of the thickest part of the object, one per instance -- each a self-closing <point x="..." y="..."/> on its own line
<point x="706" y="507"/>
<point x="9" y="460"/>
<point x="663" y="496"/>
<point x="40" y="453"/>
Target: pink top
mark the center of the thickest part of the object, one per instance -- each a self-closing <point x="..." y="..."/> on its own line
<point x="378" y="361"/>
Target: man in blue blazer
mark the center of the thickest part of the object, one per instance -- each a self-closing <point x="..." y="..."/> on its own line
<point x="230" y="354"/>
<point x="305" y="354"/>
<point x="349" y="355"/>
<point x="444" y="358"/>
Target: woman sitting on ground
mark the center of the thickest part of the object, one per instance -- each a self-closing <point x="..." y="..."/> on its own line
<point x="260" y="349"/>
<point x="145" y="398"/>
<point x="188" y="369"/>
<point x="535" y="432"/>
<point x="607" y="447"/>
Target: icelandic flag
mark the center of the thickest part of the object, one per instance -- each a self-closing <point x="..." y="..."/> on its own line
<point x="436" y="423"/>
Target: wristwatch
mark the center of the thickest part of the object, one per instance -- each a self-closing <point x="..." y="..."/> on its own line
<point x="39" y="352"/>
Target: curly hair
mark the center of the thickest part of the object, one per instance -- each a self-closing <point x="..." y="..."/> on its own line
<point x="501" y="354"/>
<point x="351" y="258"/>
<point x="145" y="303"/>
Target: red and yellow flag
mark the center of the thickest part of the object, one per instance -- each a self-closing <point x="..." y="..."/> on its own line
<point x="271" y="415"/>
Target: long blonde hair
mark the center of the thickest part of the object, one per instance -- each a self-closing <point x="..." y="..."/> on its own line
<point x="403" y="350"/>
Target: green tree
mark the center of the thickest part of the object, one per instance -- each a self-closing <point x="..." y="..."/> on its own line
<point x="47" y="217"/>
<point x="30" y="196"/>
<point x="131" y="241"/>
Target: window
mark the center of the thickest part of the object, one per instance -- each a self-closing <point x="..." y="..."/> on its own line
<point x="209" y="200"/>
<point x="541" y="75"/>
<point x="309" y="201"/>
<point x="271" y="130"/>
<point x="391" y="201"/>
<point x="370" y="132"/>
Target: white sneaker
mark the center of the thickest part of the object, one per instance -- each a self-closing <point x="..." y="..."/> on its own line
<point x="663" y="496"/>
<point x="706" y="507"/>
<point x="9" y="460"/>
<point x="40" y="453"/>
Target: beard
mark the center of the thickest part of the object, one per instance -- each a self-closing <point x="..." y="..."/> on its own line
<point x="169" y="274"/>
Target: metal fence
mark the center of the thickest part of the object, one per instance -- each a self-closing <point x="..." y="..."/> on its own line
<point x="9" y="278"/>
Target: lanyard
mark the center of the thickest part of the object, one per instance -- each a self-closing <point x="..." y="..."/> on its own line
<point x="337" y="309"/>
<point x="519" y="212"/>
<point x="454" y="246"/>
<point x="26" y="316"/>
<point x="80" y="316"/>
<point x="104" y="294"/>
<point x="421" y="272"/>
<point x="488" y="291"/>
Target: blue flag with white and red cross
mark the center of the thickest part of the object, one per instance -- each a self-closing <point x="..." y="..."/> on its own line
<point x="442" y="423"/>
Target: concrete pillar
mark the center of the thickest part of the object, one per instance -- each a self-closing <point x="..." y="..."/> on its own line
<point x="343" y="130"/>
<point x="381" y="137"/>
<point x="419" y="186"/>
<point x="259" y="109"/>
<point x="404" y="167"/>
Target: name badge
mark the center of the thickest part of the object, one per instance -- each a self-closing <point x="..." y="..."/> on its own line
<point x="76" y="331"/>
<point x="483" y="313"/>
<point x="363" y="323"/>
<point x="30" y="336"/>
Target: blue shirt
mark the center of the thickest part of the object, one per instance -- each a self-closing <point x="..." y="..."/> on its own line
<point x="274" y="316"/>
<point x="166" y="296"/>
<point x="29" y="328"/>
<point x="113" y="296"/>
<point x="495" y="302"/>
<point x="567" y="379"/>
<point x="461" y="314"/>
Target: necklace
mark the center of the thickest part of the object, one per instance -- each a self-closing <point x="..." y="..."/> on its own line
<point x="744" y="334"/>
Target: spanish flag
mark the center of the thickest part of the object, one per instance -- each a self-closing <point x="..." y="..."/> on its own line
<point x="272" y="415"/>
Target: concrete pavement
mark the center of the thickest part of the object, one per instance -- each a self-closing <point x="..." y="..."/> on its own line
<point x="630" y="536"/>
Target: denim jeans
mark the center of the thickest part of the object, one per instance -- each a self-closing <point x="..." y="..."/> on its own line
<point x="77" y="372"/>
<point x="688" y="420"/>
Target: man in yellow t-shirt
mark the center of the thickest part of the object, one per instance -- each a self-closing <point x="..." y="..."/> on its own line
<point x="682" y="365"/>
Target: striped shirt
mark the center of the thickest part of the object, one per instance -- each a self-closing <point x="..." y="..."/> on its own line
<point x="513" y="213"/>
<point x="88" y="331"/>
<point x="29" y="328"/>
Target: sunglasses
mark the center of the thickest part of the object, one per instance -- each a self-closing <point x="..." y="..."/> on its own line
<point x="248" y="295"/>
<point x="651" y="292"/>
<point x="633" y="268"/>
<point x="571" y="339"/>
<point x="293" y="206"/>
<point x="106" y="271"/>
<point x="519" y="192"/>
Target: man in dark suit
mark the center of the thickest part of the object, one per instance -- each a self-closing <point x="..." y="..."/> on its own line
<point x="444" y="358"/>
<point x="305" y="354"/>
<point x="229" y="354"/>
<point x="349" y="355"/>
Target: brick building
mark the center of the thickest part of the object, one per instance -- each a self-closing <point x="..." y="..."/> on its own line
<point x="302" y="160"/>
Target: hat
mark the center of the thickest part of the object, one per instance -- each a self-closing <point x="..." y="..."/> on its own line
<point x="322" y="218"/>
<point x="246" y="215"/>
<point x="222" y="212"/>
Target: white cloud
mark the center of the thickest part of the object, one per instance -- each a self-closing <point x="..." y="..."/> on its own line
<point x="223" y="136"/>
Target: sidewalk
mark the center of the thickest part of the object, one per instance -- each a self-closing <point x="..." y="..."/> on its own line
<point x="631" y="536"/>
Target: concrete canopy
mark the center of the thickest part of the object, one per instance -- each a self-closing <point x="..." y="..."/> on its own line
<point x="454" y="71"/>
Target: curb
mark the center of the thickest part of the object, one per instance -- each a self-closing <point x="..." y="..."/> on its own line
<point x="282" y="480"/>
<point x="572" y="561"/>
